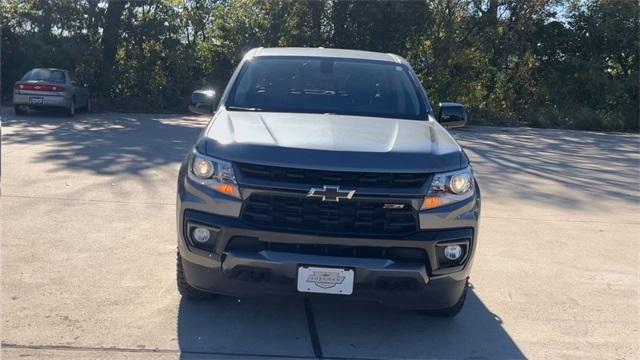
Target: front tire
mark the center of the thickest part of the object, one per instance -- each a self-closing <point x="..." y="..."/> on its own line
<point x="17" y="109"/>
<point x="452" y="311"/>
<point x="186" y="290"/>
<point x="71" y="112"/>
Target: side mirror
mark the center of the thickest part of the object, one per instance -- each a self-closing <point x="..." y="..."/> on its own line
<point x="203" y="102"/>
<point x="452" y="115"/>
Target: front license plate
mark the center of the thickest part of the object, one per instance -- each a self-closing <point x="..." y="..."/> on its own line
<point x="36" y="100"/>
<point x="325" y="280"/>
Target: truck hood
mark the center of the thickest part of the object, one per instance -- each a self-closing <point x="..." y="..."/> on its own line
<point x="331" y="142"/>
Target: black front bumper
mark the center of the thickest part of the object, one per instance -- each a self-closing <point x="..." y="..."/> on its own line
<point x="410" y="283"/>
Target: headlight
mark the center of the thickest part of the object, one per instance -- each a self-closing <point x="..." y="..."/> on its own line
<point x="203" y="168"/>
<point x="214" y="173"/>
<point x="449" y="188"/>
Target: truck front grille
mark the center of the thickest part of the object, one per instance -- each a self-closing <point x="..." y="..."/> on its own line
<point x="311" y="215"/>
<point x="340" y="178"/>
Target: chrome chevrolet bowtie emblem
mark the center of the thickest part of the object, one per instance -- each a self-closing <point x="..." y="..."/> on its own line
<point x="331" y="193"/>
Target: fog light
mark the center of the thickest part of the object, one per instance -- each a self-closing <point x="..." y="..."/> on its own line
<point x="453" y="252"/>
<point x="201" y="234"/>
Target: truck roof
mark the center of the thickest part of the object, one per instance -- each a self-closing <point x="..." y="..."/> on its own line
<point x="326" y="52"/>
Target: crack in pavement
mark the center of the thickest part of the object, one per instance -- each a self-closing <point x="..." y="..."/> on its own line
<point x="561" y="220"/>
<point x="136" y="350"/>
<point x="173" y="351"/>
<point x="88" y="200"/>
<point x="313" y="331"/>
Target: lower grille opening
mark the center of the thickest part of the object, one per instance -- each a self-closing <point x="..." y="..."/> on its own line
<point x="257" y="275"/>
<point x="397" y="254"/>
<point x="247" y="273"/>
<point x="398" y="284"/>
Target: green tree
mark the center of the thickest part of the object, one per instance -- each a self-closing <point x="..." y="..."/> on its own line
<point x="559" y="63"/>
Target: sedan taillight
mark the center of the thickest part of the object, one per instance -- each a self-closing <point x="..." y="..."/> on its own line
<point x="38" y="87"/>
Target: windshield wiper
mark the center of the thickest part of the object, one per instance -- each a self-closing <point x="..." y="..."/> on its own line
<point x="242" y="108"/>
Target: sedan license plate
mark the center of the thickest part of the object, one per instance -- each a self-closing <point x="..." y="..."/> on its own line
<point x="36" y="100"/>
<point x="325" y="280"/>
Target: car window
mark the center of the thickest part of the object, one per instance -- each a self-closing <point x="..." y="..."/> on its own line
<point x="321" y="85"/>
<point x="56" y="76"/>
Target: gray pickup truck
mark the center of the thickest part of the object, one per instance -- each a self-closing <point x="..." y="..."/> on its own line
<point x="326" y="172"/>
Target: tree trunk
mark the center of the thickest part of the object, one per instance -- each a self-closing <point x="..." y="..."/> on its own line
<point x="340" y="19"/>
<point x="110" y="41"/>
<point x="316" y="25"/>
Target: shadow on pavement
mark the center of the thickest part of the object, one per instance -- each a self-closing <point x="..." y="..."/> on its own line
<point x="547" y="163"/>
<point x="228" y="326"/>
<point x="346" y="329"/>
<point x="105" y="143"/>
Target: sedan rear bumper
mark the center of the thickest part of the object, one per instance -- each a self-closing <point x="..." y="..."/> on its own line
<point x="42" y="100"/>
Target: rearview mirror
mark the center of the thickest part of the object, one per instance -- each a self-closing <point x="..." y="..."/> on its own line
<point x="203" y="102"/>
<point x="452" y="115"/>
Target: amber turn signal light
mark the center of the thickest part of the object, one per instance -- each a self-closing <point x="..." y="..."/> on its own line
<point x="228" y="189"/>
<point x="431" y="202"/>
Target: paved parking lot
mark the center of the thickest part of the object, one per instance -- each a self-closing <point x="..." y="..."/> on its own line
<point x="88" y="254"/>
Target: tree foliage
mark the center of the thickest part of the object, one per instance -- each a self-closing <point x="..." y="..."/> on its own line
<point x="559" y="63"/>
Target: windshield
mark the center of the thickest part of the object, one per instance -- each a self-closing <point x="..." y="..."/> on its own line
<point x="56" y="76"/>
<point x="327" y="85"/>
